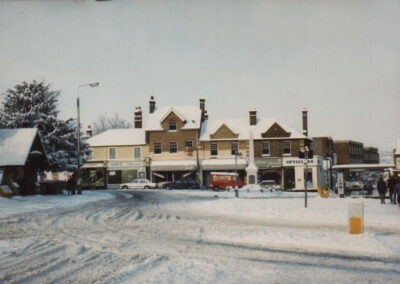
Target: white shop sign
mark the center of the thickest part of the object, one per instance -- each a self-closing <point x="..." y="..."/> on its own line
<point x="297" y="162"/>
<point x="125" y="164"/>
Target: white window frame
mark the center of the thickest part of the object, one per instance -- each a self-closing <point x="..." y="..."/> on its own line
<point x="175" y="125"/>
<point x="269" y="148"/>
<point x="109" y="153"/>
<point x="283" y="148"/>
<point x="186" y="144"/>
<point x="134" y="152"/>
<point x="176" y="147"/>
<point x="211" y="149"/>
<point x="154" y="147"/>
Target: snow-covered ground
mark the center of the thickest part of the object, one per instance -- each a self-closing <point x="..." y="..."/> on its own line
<point x="26" y="204"/>
<point x="159" y="236"/>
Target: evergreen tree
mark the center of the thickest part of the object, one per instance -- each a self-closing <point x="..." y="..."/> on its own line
<point x="35" y="105"/>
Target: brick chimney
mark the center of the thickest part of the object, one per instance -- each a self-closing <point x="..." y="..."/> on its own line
<point x="253" y="117"/>
<point x="152" y="104"/>
<point x="203" y="108"/>
<point x="305" y="122"/>
<point x="138" y="117"/>
<point x="89" y="131"/>
<point x="205" y="115"/>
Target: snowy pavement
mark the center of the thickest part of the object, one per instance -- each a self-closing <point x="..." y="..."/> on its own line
<point x="197" y="237"/>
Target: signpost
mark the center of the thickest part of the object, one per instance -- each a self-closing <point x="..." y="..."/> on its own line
<point x="340" y="183"/>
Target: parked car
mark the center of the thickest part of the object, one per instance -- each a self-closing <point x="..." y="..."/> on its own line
<point x="139" y="183"/>
<point x="183" y="184"/>
<point x="224" y="180"/>
<point x="270" y="185"/>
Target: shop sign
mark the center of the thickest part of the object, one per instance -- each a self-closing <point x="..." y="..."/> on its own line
<point x="124" y="164"/>
<point x="263" y="163"/>
<point x="297" y="162"/>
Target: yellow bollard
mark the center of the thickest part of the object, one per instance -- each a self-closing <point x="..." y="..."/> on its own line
<point x="355" y="225"/>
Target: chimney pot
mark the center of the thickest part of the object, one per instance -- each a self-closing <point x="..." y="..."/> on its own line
<point x="89" y="131"/>
<point x="305" y="121"/>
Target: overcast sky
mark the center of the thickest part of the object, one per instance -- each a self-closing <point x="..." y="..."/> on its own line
<point x="339" y="59"/>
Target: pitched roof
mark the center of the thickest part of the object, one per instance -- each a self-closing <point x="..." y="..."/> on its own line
<point x="242" y="128"/>
<point x="15" y="145"/>
<point x="190" y="114"/>
<point x="119" y="137"/>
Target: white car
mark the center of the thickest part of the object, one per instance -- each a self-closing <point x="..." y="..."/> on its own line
<point x="139" y="183"/>
<point x="270" y="185"/>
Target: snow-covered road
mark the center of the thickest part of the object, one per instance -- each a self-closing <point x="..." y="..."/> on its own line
<point x="160" y="236"/>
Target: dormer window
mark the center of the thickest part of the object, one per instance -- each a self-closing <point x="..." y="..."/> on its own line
<point x="172" y="124"/>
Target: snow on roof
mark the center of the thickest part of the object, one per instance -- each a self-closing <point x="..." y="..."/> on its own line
<point x="242" y="128"/>
<point x="119" y="137"/>
<point x="15" y="145"/>
<point x="190" y="114"/>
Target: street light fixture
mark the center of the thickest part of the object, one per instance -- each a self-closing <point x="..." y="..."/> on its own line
<point x="79" y="133"/>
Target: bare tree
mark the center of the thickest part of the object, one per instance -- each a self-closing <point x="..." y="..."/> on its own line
<point x="104" y="123"/>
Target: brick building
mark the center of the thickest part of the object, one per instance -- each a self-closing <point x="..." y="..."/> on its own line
<point x="348" y="152"/>
<point x="371" y="155"/>
<point x="172" y="135"/>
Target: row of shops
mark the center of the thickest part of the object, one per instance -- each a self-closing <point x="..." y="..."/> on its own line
<point x="289" y="172"/>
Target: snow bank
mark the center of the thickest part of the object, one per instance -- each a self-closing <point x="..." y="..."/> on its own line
<point x="23" y="204"/>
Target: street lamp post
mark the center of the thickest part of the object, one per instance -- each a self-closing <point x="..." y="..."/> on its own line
<point x="78" y="151"/>
<point x="236" y="174"/>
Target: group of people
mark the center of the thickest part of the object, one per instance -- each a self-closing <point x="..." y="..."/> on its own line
<point x="393" y="185"/>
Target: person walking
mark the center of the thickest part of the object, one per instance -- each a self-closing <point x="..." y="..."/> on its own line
<point x="397" y="190"/>
<point x="69" y="185"/>
<point x="382" y="188"/>
<point x="391" y="183"/>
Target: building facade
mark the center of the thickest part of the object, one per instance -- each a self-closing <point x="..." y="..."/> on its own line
<point x="348" y="152"/>
<point x="172" y="134"/>
<point x="371" y="155"/>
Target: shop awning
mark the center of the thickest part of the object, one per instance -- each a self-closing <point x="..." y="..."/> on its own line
<point x="223" y="164"/>
<point x="158" y="175"/>
<point x="174" y="165"/>
<point x="93" y="166"/>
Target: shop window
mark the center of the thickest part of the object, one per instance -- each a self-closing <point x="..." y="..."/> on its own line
<point x="172" y="124"/>
<point x="287" y="148"/>
<point x="214" y="149"/>
<point x="157" y="147"/>
<point x="234" y="148"/>
<point x="173" y="147"/>
<point x="137" y="154"/>
<point x="265" y="148"/>
<point x="112" y="153"/>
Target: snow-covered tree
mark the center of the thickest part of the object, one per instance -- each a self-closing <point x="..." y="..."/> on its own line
<point x="33" y="104"/>
<point x="104" y="123"/>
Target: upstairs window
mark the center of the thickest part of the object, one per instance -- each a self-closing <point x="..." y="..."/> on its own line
<point x="287" y="148"/>
<point x="234" y="148"/>
<point x="173" y="147"/>
<point x="112" y="153"/>
<point x="172" y="124"/>
<point x="265" y="148"/>
<point x="188" y="144"/>
<point x="214" y="149"/>
<point x="137" y="153"/>
<point x="157" y="147"/>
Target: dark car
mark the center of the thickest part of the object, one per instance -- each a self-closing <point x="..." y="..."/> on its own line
<point x="183" y="184"/>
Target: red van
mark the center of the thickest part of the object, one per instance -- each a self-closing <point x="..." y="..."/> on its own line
<point x="224" y="180"/>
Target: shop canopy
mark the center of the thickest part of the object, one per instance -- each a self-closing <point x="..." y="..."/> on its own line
<point x="174" y="165"/>
<point x="223" y="164"/>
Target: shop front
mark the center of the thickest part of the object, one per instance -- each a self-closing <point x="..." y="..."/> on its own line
<point x="222" y="165"/>
<point x="124" y="171"/>
<point x="296" y="171"/>
<point x="94" y="175"/>
<point x="269" y="168"/>
<point x="171" y="170"/>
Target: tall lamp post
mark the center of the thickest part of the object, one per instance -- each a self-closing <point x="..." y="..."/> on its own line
<point x="236" y="174"/>
<point x="78" y="151"/>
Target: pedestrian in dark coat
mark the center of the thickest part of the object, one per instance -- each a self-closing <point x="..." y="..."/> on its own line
<point x="69" y="185"/>
<point x="391" y="183"/>
<point x="382" y="188"/>
<point x="397" y="190"/>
